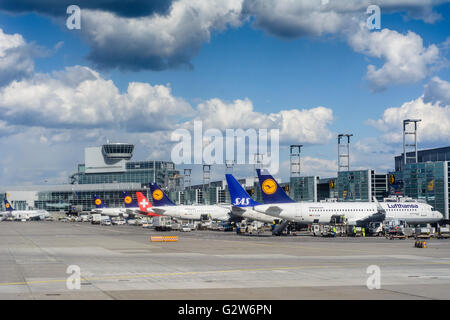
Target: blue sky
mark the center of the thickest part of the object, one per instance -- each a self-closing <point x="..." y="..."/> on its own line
<point x="247" y="59"/>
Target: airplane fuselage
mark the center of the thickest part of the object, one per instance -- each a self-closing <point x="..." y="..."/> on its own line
<point x="322" y="213"/>
<point x="27" y="214"/>
<point x="111" y="212"/>
<point x="194" y="212"/>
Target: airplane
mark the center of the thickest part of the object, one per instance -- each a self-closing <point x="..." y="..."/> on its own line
<point x="243" y="204"/>
<point x="164" y="206"/>
<point x="278" y="204"/>
<point x="131" y="207"/>
<point x="24" y="214"/>
<point x="145" y="206"/>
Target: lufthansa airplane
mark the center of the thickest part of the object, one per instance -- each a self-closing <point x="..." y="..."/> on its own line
<point x="242" y="204"/>
<point x="24" y="214"/>
<point x="278" y="204"/>
<point x="131" y="208"/>
<point x="164" y="206"/>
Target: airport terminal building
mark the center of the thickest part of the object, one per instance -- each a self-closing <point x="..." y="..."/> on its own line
<point x="427" y="180"/>
<point x="107" y="171"/>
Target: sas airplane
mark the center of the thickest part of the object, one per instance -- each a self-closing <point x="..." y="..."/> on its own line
<point x="164" y="206"/>
<point x="242" y="204"/>
<point x="279" y="205"/>
<point x="24" y="214"/>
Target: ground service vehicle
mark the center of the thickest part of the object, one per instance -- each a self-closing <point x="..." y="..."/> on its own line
<point x="423" y="231"/>
<point x="375" y="229"/>
<point x="443" y="232"/>
<point x="162" y="223"/>
<point x="96" y="218"/>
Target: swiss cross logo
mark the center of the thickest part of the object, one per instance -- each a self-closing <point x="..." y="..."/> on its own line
<point x="143" y="203"/>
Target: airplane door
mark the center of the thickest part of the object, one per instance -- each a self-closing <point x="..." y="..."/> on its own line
<point x="299" y="213"/>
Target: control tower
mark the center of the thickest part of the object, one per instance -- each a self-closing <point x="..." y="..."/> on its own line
<point x="118" y="151"/>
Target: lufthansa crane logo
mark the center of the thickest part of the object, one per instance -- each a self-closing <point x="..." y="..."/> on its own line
<point x="431" y="185"/>
<point x="98" y="202"/>
<point x="157" y="194"/>
<point x="269" y="186"/>
<point x="391" y="179"/>
<point x="7" y="206"/>
<point x="128" y="199"/>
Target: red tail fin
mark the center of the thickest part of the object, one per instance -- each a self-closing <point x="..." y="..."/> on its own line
<point x="144" y="205"/>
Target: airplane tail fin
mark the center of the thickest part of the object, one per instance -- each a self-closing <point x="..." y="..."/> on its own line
<point x="159" y="197"/>
<point x="8" y="206"/>
<point x="239" y="197"/>
<point x="271" y="190"/>
<point x="98" y="202"/>
<point x="129" y="201"/>
<point x="144" y="205"/>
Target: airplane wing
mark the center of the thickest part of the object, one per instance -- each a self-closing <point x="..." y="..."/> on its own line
<point x="159" y="210"/>
<point x="376" y="217"/>
<point x="225" y="206"/>
<point x="272" y="210"/>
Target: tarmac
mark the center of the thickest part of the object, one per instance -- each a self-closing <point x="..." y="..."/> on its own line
<point x="120" y="262"/>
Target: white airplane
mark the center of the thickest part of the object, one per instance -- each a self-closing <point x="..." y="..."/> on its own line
<point x="131" y="208"/>
<point x="279" y="205"/>
<point x="243" y="204"/>
<point x="24" y="214"/>
<point x="164" y="206"/>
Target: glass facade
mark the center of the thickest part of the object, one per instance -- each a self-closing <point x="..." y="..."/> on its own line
<point x="361" y="185"/>
<point x="326" y="189"/>
<point x="353" y="185"/>
<point x="437" y="154"/>
<point x="428" y="182"/>
<point x="63" y="200"/>
<point x="142" y="172"/>
<point x="303" y="189"/>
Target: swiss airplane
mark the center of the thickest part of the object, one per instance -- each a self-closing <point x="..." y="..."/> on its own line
<point x="145" y="207"/>
<point x="278" y="204"/>
<point x="24" y="214"/>
<point x="164" y="206"/>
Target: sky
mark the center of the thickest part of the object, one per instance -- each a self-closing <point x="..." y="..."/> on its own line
<point x="135" y="73"/>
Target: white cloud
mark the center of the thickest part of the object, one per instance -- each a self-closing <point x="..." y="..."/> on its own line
<point x="323" y="168"/>
<point x="406" y="60"/>
<point x="16" y="57"/>
<point x="434" y="127"/>
<point x="80" y="97"/>
<point x="437" y="90"/>
<point x="308" y="126"/>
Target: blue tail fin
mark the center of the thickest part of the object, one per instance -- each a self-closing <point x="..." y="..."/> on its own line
<point x="159" y="197"/>
<point x="271" y="190"/>
<point x="8" y="206"/>
<point x="98" y="202"/>
<point x="129" y="201"/>
<point x="239" y="197"/>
